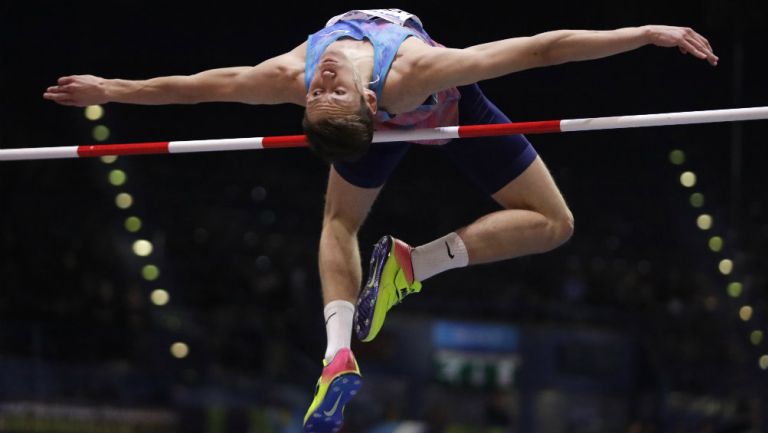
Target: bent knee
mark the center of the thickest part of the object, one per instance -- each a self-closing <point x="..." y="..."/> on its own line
<point x="566" y="227"/>
<point x="560" y="229"/>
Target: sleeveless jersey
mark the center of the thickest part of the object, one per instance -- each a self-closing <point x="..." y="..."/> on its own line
<point x="386" y="29"/>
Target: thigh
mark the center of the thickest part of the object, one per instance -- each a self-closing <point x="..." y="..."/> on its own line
<point x="534" y="190"/>
<point x="491" y="162"/>
<point x="373" y="169"/>
<point x="346" y="203"/>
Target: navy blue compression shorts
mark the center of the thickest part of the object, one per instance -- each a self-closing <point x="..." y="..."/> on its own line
<point x="491" y="162"/>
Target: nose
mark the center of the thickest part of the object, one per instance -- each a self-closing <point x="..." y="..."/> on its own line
<point x="329" y="74"/>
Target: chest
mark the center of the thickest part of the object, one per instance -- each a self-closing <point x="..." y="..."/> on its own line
<point x="355" y="50"/>
<point x="402" y="92"/>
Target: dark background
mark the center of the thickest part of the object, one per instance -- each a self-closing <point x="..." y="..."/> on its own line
<point x="235" y="233"/>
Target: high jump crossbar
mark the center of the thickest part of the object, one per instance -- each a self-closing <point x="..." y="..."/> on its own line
<point x="448" y="132"/>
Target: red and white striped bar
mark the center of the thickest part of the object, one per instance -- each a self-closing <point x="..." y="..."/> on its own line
<point x="284" y="141"/>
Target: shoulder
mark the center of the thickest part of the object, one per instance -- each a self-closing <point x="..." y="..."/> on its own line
<point x="436" y="68"/>
<point x="417" y="60"/>
<point x="290" y="71"/>
<point x="279" y="79"/>
<point x="414" y="46"/>
<point x="411" y="80"/>
<point x="404" y="88"/>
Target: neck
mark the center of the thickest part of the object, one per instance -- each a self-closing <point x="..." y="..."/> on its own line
<point x="364" y="68"/>
<point x="360" y="54"/>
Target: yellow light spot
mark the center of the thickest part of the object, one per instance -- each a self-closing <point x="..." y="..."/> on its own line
<point x="108" y="159"/>
<point x="677" y="157"/>
<point x="756" y="337"/>
<point x="100" y="133"/>
<point x="745" y="313"/>
<point x="160" y="297"/>
<point x="117" y="177"/>
<point x="94" y="112"/>
<point x="697" y="199"/>
<point x="142" y="248"/>
<point x="725" y="266"/>
<point x="150" y="272"/>
<point x="704" y="221"/>
<point x="688" y="179"/>
<point x="179" y="350"/>
<point x="716" y="244"/>
<point x="734" y="289"/>
<point x="124" y="200"/>
<point x="133" y="224"/>
<point x="763" y="363"/>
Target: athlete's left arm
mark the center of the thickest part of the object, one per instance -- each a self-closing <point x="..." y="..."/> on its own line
<point x="448" y="67"/>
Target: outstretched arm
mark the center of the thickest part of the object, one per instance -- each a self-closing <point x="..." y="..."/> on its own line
<point x="448" y="67"/>
<point x="273" y="81"/>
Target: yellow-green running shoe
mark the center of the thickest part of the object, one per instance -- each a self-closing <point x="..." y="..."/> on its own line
<point x="390" y="279"/>
<point x="339" y="382"/>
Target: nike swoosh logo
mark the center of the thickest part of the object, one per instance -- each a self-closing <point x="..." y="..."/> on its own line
<point x="333" y="409"/>
<point x="329" y="318"/>
<point x="447" y="247"/>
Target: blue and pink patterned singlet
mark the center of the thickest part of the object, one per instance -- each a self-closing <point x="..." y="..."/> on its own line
<point x="386" y="29"/>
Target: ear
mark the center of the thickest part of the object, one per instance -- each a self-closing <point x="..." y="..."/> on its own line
<point x="371" y="100"/>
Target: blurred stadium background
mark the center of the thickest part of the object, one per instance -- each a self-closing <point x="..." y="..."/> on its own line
<point x="180" y="293"/>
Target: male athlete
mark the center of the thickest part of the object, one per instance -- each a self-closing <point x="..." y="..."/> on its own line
<point x="378" y="69"/>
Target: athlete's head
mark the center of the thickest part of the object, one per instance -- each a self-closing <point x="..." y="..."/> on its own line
<point x="338" y="119"/>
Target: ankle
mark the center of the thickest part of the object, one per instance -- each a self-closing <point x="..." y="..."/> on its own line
<point x="338" y="326"/>
<point x="438" y="256"/>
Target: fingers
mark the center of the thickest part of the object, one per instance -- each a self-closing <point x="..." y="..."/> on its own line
<point x="697" y="45"/>
<point x="686" y="40"/>
<point x="57" y="89"/>
<point x="690" y="47"/>
<point x="705" y="41"/>
<point x="699" y="42"/>
<point x="66" y="80"/>
<point x="59" y="98"/>
<point x="54" y="92"/>
<point x="60" y="94"/>
<point x="52" y="96"/>
<point x="704" y="45"/>
<point x="55" y="96"/>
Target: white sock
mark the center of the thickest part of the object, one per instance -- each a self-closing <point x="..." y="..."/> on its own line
<point x="338" y="326"/>
<point x="438" y="256"/>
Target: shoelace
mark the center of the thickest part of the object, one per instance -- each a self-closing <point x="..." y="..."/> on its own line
<point x="401" y="292"/>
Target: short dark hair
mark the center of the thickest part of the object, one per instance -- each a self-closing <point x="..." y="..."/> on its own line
<point x="341" y="138"/>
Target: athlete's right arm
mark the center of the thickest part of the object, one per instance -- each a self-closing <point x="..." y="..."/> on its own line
<point x="273" y="81"/>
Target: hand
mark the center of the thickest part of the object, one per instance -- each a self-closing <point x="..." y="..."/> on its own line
<point x="78" y="90"/>
<point x="687" y="40"/>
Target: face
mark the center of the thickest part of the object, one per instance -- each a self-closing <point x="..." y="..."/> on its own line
<point x="335" y="88"/>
